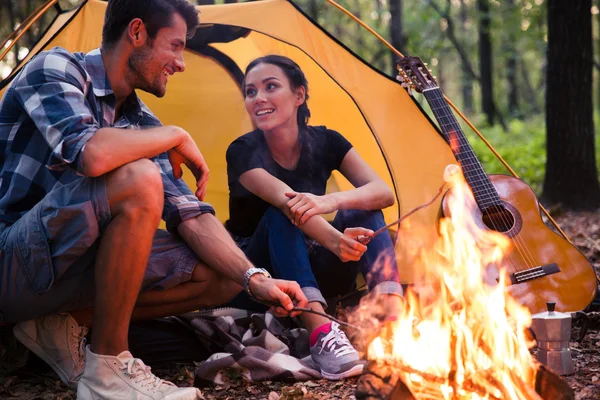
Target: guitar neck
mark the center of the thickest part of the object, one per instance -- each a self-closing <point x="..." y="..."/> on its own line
<point x="483" y="190"/>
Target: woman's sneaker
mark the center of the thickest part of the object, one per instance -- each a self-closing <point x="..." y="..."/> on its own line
<point x="59" y="341"/>
<point x="335" y="355"/>
<point x="126" y="377"/>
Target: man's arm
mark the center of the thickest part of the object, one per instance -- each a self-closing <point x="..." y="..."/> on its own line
<point x="211" y="242"/>
<point x="110" y="148"/>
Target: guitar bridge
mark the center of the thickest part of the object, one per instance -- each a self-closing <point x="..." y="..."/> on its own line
<point x="534" y="273"/>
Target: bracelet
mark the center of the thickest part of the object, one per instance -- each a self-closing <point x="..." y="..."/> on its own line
<point x="249" y="273"/>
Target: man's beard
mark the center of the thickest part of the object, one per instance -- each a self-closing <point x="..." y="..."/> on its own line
<point x="140" y="75"/>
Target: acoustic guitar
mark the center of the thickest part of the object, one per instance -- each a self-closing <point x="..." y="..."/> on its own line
<point x="541" y="265"/>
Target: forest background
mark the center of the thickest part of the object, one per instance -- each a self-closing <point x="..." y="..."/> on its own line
<point x="525" y="72"/>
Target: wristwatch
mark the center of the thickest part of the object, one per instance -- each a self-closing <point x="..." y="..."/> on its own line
<point x="249" y="274"/>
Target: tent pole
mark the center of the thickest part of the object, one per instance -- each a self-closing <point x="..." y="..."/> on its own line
<point x="464" y="118"/>
<point x="24" y="26"/>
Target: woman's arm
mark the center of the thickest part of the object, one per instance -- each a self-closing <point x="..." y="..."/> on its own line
<point x="273" y="191"/>
<point x="370" y="193"/>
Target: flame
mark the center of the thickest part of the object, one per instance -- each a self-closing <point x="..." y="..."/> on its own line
<point x="459" y="337"/>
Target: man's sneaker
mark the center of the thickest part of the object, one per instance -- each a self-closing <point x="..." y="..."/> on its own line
<point x="58" y="340"/>
<point x="335" y="355"/>
<point x="126" y="377"/>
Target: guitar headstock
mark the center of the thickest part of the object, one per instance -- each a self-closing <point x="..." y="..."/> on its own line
<point x="413" y="72"/>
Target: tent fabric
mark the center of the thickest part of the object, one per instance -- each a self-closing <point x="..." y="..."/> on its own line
<point x="371" y="110"/>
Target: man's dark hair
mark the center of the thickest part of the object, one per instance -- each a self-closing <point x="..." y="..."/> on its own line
<point x="155" y="14"/>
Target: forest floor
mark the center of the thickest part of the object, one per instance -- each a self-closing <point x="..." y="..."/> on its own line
<point x="24" y="377"/>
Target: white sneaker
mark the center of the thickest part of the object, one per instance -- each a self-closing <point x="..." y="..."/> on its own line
<point x="125" y="377"/>
<point x="58" y="340"/>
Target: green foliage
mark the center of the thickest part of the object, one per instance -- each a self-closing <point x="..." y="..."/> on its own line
<point x="523" y="147"/>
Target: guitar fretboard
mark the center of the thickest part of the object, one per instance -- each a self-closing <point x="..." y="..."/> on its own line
<point x="484" y="192"/>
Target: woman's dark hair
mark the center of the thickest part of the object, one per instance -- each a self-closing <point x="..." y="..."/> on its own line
<point x="155" y="14"/>
<point x="293" y="73"/>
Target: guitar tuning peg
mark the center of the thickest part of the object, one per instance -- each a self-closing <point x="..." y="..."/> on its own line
<point x="425" y="64"/>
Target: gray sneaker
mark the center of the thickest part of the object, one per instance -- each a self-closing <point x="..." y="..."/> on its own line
<point x="58" y="340"/>
<point x="335" y="355"/>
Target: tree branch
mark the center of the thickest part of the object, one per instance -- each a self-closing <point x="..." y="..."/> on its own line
<point x="451" y="35"/>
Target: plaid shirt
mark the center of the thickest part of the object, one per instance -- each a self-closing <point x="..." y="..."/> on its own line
<point x="47" y="115"/>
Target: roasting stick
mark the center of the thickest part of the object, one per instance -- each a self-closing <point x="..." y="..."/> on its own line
<point x="304" y="309"/>
<point x="366" y="239"/>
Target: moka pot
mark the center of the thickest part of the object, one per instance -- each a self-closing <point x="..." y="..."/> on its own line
<point x="552" y="331"/>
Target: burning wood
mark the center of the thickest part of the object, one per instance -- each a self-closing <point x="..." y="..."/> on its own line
<point x="381" y="382"/>
<point x="460" y="335"/>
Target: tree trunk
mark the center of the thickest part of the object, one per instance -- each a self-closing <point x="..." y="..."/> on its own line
<point x="466" y="78"/>
<point x="313" y="9"/>
<point x="485" y="61"/>
<point x="360" y="41"/>
<point x="13" y="22"/>
<point x="511" y="77"/>
<point x="571" y="174"/>
<point x="511" y="70"/>
<point x="396" y="30"/>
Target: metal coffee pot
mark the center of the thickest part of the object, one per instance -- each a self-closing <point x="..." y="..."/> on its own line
<point x="552" y="331"/>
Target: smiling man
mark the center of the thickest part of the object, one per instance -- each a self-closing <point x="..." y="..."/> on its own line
<point x="87" y="172"/>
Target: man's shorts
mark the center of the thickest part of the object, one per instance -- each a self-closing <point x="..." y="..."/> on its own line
<point x="47" y="256"/>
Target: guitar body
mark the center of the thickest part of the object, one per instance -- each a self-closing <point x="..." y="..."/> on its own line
<point x="549" y="268"/>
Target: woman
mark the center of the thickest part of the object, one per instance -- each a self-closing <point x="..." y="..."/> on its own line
<point x="277" y="177"/>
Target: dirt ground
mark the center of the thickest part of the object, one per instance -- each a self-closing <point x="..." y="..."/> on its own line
<point x="23" y="377"/>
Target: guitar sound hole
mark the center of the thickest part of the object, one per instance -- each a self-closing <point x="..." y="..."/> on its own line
<point x="498" y="218"/>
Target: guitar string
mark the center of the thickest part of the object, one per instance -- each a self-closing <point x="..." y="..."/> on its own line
<point x="440" y="108"/>
<point x="489" y="190"/>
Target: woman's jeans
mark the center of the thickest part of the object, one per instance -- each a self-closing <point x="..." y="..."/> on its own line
<point x="282" y="248"/>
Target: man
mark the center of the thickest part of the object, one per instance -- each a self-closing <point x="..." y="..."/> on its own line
<point x="82" y="190"/>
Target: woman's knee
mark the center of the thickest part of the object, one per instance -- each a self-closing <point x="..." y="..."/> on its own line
<point x="136" y="186"/>
<point x="276" y="221"/>
<point x="274" y="215"/>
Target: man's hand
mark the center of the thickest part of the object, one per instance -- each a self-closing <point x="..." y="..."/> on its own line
<point x="286" y="293"/>
<point x="350" y="249"/>
<point x="188" y="153"/>
<point x="302" y="206"/>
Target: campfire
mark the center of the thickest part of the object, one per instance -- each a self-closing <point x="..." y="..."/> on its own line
<point x="460" y="335"/>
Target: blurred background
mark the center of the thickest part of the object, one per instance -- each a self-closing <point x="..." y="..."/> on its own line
<point x="525" y="72"/>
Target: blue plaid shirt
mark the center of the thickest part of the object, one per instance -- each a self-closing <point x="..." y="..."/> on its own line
<point x="47" y="115"/>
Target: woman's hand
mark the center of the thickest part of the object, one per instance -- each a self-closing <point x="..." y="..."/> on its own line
<point x="350" y="249"/>
<point x="286" y="293"/>
<point x="302" y="206"/>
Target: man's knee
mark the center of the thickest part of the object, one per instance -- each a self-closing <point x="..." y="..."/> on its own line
<point x="136" y="186"/>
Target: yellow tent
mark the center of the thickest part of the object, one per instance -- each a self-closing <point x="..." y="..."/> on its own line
<point x="371" y="110"/>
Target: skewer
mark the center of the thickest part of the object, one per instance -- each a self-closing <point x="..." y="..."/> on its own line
<point x="304" y="309"/>
<point x="366" y="239"/>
